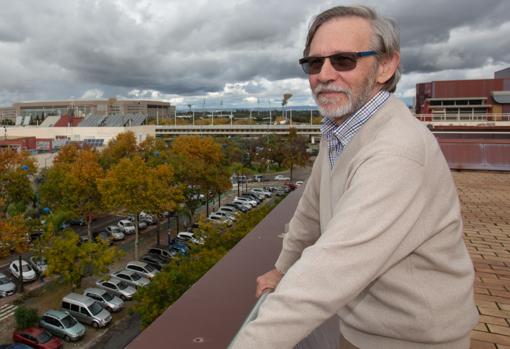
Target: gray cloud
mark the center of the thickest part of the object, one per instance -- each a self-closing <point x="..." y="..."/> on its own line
<point x="59" y="49"/>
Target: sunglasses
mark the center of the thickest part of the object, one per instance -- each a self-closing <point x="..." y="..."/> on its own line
<point x="341" y="61"/>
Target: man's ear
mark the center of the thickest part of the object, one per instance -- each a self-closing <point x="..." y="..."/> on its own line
<point x="387" y="67"/>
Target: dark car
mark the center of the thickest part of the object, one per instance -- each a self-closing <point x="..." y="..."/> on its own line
<point x="15" y="346"/>
<point x="37" y="337"/>
<point x="153" y="260"/>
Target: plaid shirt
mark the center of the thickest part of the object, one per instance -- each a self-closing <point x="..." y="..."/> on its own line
<point x="338" y="136"/>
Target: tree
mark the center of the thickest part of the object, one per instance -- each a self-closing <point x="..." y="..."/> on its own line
<point x="199" y="166"/>
<point x="131" y="186"/>
<point x="14" y="238"/>
<point x="122" y="146"/>
<point x="71" y="185"/>
<point x="15" y="185"/>
<point x="74" y="261"/>
<point x="295" y="151"/>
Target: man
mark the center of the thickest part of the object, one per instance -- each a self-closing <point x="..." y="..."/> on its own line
<point x="377" y="235"/>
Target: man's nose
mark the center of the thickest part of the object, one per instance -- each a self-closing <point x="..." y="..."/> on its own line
<point x="327" y="73"/>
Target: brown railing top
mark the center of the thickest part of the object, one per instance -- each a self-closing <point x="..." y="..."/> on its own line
<point x="211" y="312"/>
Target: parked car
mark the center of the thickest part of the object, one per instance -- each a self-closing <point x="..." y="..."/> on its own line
<point x="36" y="337"/>
<point x="281" y="178"/>
<point x="141" y="223"/>
<point x="299" y="183"/>
<point x="266" y="193"/>
<point x="150" y="219"/>
<point x="39" y="264"/>
<point x="142" y="268"/>
<point x="7" y="287"/>
<point x="117" y="287"/>
<point x="126" y="226"/>
<point x="62" y="324"/>
<point x="15" y="346"/>
<point x="154" y="260"/>
<point x="239" y="206"/>
<point x="107" y="300"/>
<point x="189" y="236"/>
<point x="29" y="273"/>
<point x="214" y="218"/>
<point x="260" y="178"/>
<point x="86" y="310"/>
<point x="257" y="197"/>
<point x="115" y="232"/>
<point x="161" y="252"/>
<point x="244" y="200"/>
<point x="131" y="278"/>
<point x="103" y="235"/>
<point x="227" y="215"/>
<point x="232" y="210"/>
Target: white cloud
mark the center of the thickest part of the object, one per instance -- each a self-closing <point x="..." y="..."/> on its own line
<point x="93" y="94"/>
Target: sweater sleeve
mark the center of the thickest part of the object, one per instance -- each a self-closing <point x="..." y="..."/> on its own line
<point x="304" y="227"/>
<point x="364" y="239"/>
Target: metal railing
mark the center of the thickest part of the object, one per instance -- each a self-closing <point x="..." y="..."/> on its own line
<point x="326" y="336"/>
<point x="463" y="117"/>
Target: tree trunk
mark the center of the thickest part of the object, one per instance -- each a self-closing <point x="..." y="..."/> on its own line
<point x="89" y="225"/>
<point x="291" y="170"/>
<point x="20" y="274"/>
<point x="207" y="204"/>
<point x="238" y="185"/>
<point x="158" y="231"/>
<point x="137" y="218"/>
<point x="219" y="200"/>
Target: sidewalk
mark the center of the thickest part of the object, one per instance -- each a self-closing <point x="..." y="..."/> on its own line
<point x="485" y="198"/>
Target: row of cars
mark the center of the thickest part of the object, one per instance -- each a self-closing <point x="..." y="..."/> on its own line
<point x="93" y="307"/>
<point x="229" y="213"/>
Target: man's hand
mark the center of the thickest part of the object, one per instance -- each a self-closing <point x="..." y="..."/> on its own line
<point x="268" y="281"/>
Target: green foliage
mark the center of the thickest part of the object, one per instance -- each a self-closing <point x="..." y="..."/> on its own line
<point x="15" y="186"/>
<point x="74" y="261"/>
<point x="25" y="317"/>
<point x="183" y="272"/>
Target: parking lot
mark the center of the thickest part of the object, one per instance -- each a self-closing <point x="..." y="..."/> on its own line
<point x="48" y="295"/>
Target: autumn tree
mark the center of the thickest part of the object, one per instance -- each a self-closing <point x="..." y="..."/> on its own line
<point x="14" y="238"/>
<point x="131" y="186"/>
<point x="122" y="146"/>
<point x="199" y="166"/>
<point x="15" y="184"/>
<point x="295" y="151"/>
<point x="71" y="185"/>
<point x="74" y="261"/>
<point x="154" y="151"/>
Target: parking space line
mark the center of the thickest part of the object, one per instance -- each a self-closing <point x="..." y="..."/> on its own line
<point x="6" y="311"/>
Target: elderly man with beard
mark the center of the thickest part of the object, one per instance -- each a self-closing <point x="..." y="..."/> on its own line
<point x="377" y="236"/>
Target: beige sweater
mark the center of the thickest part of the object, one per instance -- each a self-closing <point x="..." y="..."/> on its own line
<point x="378" y="240"/>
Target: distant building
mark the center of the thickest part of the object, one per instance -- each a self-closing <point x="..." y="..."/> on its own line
<point x="40" y="110"/>
<point x="7" y="113"/>
<point x="31" y="144"/>
<point x="483" y="96"/>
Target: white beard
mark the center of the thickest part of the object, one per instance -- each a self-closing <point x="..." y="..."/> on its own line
<point x="354" y="102"/>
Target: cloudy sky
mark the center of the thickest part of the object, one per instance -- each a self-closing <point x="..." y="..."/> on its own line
<point x="222" y="53"/>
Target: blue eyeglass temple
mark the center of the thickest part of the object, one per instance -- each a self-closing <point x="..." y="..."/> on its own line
<point x="366" y="53"/>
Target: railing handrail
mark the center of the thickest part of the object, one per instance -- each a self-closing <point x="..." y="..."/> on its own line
<point x="253" y="314"/>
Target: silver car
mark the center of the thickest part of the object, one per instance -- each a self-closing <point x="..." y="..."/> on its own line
<point x="132" y="278"/>
<point x="142" y="268"/>
<point x="108" y="300"/>
<point x="115" y="232"/>
<point x="117" y="287"/>
<point x="62" y="324"/>
<point x="7" y="287"/>
<point x="39" y="264"/>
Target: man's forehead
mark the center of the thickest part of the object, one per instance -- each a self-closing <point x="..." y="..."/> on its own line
<point x="342" y="34"/>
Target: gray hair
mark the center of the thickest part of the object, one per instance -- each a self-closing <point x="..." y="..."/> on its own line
<point x="386" y="40"/>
